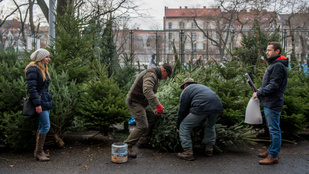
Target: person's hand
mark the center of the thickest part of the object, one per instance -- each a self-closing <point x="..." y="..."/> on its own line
<point x="254" y="95"/>
<point x="159" y="109"/>
<point x="177" y="130"/>
<point x="38" y="109"/>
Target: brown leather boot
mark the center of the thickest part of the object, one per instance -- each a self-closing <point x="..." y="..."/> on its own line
<point x="40" y="155"/>
<point x="186" y="155"/>
<point x="269" y="160"/>
<point x="131" y="153"/>
<point x="36" y="145"/>
<point x="263" y="155"/>
<point x="209" y="151"/>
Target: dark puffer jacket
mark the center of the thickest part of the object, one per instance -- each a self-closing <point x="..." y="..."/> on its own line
<point x="198" y="99"/>
<point x="37" y="86"/>
<point x="274" y="83"/>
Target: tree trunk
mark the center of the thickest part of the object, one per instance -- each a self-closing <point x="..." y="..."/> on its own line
<point x="60" y="143"/>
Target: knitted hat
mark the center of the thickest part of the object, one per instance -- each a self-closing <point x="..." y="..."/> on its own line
<point x="187" y="80"/>
<point x="39" y="54"/>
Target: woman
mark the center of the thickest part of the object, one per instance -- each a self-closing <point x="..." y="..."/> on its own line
<point x="38" y="80"/>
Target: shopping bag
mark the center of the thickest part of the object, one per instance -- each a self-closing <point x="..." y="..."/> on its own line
<point x="253" y="112"/>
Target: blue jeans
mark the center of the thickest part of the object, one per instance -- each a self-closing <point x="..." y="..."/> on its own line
<point x="193" y="120"/>
<point x="273" y="123"/>
<point x="44" y="123"/>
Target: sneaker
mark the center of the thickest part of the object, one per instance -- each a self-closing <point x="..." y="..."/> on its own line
<point x="186" y="155"/>
<point x="131" y="153"/>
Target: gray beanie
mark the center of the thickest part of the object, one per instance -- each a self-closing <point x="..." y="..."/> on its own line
<point x="39" y="54"/>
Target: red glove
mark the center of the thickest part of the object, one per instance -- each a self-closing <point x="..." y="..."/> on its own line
<point x="159" y="109"/>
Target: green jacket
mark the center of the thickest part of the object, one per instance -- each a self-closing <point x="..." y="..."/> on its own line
<point x="145" y="86"/>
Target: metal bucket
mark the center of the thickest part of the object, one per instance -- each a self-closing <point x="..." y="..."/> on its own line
<point x="119" y="152"/>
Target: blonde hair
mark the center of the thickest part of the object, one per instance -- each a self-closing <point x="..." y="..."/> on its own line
<point x="199" y="57"/>
<point x="43" y="69"/>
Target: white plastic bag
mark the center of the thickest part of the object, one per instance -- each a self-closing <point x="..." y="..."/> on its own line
<point x="253" y="112"/>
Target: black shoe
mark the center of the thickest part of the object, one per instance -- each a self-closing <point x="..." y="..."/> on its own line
<point x="144" y="146"/>
<point x="131" y="153"/>
<point x="209" y="153"/>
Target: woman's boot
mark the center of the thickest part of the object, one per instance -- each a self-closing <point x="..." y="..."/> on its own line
<point x="36" y="145"/>
<point x="40" y="155"/>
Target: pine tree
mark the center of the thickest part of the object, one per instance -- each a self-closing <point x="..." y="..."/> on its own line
<point x="102" y="102"/>
<point x="65" y="98"/>
<point x="249" y="50"/>
<point x="73" y="50"/>
<point x="16" y="132"/>
<point x="108" y="56"/>
<point x="228" y="83"/>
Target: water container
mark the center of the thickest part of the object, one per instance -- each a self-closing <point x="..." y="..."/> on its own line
<point x="119" y="152"/>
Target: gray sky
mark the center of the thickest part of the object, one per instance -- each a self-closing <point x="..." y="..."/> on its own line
<point x="156" y="10"/>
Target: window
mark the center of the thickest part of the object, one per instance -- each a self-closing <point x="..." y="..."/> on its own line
<point x="170" y="25"/>
<point x="204" y="46"/>
<point x="205" y="25"/>
<point x="246" y="19"/>
<point x="169" y="46"/>
<point x="265" y="19"/>
<point x="181" y="25"/>
<point x="193" y="36"/>
<point x="170" y="35"/>
<point x="193" y="25"/>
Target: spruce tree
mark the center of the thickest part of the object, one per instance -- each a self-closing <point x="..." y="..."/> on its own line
<point x="16" y="132"/>
<point x="108" y="55"/>
<point x="65" y="98"/>
<point x="102" y="101"/>
<point x="73" y="50"/>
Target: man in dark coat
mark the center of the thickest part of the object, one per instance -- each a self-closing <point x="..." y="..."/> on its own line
<point x="197" y="103"/>
<point x="271" y="95"/>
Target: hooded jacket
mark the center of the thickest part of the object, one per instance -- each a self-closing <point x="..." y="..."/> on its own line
<point x="36" y="86"/>
<point x="274" y="83"/>
<point x="198" y="99"/>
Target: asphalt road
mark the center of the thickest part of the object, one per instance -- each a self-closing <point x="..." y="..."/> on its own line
<point x="83" y="155"/>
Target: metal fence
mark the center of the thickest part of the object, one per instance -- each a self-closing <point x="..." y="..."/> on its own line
<point x="189" y="44"/>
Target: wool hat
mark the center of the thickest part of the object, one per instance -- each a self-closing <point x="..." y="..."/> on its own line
<point x="168" y="69"/>
<point x="39" y="54"/>
<point x="187" y="80"/>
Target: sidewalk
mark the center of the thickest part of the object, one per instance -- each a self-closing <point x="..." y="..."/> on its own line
<point x="84" y="155"/>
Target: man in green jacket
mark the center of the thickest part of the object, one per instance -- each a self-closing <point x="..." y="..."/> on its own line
<point x="141" y="93"/>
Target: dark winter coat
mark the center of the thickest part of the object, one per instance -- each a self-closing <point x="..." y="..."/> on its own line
<point x="36" y="86"/>
<point x="274" y="83"/>
<point x="145" y="86"/>
<point x="198" y="99"/>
